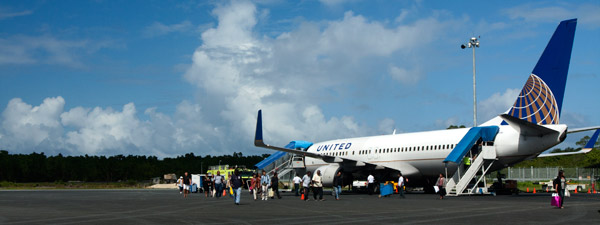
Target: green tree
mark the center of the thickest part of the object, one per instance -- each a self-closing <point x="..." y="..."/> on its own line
<point x="455" y="127"/>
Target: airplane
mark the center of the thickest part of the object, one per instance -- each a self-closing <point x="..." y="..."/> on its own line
<point x="528" y="128"/>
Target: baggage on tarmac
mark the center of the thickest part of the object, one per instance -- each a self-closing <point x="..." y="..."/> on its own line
<point x="386" y="190"/>
<point x="555" y="201"/>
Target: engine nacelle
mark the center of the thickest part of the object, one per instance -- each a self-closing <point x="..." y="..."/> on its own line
<point x="327" y="173"/>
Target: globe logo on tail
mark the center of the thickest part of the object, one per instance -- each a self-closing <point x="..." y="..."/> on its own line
<point x="536" y="103"/>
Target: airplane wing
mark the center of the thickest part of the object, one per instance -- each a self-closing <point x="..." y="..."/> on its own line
<point x="587" y="148"/>
<point x="259" y="142"/>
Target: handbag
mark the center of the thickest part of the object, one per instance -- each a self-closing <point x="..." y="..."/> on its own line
<point x="271" y="193"/>
<point x="555" y="201"/>
<point x="436" y="188"/>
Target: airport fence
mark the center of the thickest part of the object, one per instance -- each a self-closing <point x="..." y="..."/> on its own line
<point x="548" y="173"/>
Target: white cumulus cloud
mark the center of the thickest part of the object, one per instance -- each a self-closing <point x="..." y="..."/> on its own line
<point x="497" y="104"/>
<point x="237" y="71"/>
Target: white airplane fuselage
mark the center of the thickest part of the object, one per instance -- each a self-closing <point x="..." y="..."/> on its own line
<point x="426" y="151"/>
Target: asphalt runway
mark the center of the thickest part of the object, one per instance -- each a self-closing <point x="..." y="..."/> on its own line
<point x="169" y="207"/>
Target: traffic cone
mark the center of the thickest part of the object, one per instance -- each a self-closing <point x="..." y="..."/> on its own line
<point x="534" y="190"/>
<point x="594" y="191"/>
<point x="575" y="190"/>
<point x="527" y="190"/>
<point x="224" y="192"/>
<point x="589" y="191"/>
<point x="302" y="197"/>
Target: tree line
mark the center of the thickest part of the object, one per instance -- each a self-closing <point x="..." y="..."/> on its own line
<point x="37" y="167"/>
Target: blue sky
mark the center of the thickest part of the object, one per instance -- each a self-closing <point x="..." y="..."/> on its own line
<point x="170" y="77"/>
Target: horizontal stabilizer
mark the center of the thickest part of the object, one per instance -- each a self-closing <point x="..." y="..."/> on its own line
<point x="526" y="128"/>
<point x="587" y="148"/>
<point x="577" y="130"/>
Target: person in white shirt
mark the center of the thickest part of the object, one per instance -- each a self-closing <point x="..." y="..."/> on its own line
<point x="306" y="184"/>
<point x="371" y="180"/>
<point x="297" y="181"/>
<point x="317" y="181"/>
<point x="265" y="183"/>
<point x="180" y="184"/>
<point x="401" y="185"/>
<point x="218" y="181"/>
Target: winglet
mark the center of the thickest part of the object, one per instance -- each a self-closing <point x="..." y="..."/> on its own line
<point x="590" y="145"/>
<point x="258" y="137"/>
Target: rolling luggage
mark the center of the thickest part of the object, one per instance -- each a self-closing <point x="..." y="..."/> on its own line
<point x="194" y="188"/>
<point x="386" y="190"/>
<point x="555" y="201"/>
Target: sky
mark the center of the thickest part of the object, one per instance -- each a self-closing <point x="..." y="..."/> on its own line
<point x="166" y="78"/>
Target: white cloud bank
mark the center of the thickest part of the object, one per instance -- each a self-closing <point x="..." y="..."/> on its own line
<point x="587" y="14"/>
<point x="238" y="72"/>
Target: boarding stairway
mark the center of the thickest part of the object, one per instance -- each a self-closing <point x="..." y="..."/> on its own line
<point x="484" y="158"/>
<point x="285" y="164"/>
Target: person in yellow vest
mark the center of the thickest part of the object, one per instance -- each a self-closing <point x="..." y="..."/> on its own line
<point x="467" y="161"/>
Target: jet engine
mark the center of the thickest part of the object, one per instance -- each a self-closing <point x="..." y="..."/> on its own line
<point x="327" y="173"/>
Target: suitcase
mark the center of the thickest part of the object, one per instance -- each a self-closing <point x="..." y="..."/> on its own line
<point x="386" y="190"/>
<point x="194" y="188"/>
<point x="555" y="201"/>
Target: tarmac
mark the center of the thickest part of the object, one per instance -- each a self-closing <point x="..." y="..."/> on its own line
<point x="147" y="206"/>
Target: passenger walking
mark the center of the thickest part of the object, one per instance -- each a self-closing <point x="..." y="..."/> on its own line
<point x="265" y="183"/>
<point x="337" y="185"/>
<point x="297" y="181"/>
<point x="371" y="185"/>
<point x="236" y="183"/>
<point x="317" y="181"/>
<point x="306" y="180"/>
<point x="180" y="184"/>
<point x="218" y="181"/>
<point x="207" y="186"/>
<point x="275" y="186"/>
<point x="559" y="185"/>
<point x="401" y="185"/>
<point x="254" y="185"/>
<point x="186" y="184"/>
<point x="228" y="188"/>
<point x="441" y="184"/>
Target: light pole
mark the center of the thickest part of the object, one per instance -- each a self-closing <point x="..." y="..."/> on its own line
<point x="473" y="43"/>
<point x="219" y="164"/>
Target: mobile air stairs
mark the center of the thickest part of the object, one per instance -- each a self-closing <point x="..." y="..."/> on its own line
<point x="477" y="144"/>
<point x="285" y="164"/>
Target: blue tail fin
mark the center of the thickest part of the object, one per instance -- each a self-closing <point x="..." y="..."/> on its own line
<point x="540" y="100"/>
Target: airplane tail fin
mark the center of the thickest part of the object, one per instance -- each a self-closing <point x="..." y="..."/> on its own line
<point x="540" y="100"/>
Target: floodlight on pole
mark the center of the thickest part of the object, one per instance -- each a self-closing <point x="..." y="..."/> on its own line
<point x="473" y="43"/>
